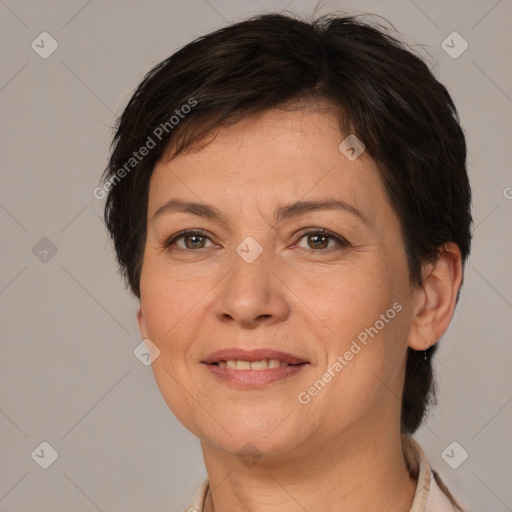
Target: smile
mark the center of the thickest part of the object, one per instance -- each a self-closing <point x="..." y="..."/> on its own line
<point x="243" y="368"/>
<point x="253" y="374"/>
<point x="264" y="364"/>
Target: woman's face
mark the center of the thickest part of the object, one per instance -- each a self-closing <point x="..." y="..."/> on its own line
<point x="260" y="275"/>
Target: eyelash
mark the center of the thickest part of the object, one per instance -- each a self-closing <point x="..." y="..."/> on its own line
<point x="342" y="242"/>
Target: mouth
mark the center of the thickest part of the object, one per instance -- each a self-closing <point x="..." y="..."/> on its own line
<point x="255" y="368"/>
<point x="263" y="364"/>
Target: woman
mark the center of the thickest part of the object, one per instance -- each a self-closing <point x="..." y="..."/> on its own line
<point x="289" y="202"/>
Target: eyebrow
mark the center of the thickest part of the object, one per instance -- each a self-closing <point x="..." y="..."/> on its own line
<point x="281" y="213"/>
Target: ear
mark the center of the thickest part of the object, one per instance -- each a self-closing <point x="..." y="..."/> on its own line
<point x="435" y="303"/>
<point x="142" y="323"/>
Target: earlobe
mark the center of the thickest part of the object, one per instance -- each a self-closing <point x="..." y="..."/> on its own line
<point x="437" y="298"/>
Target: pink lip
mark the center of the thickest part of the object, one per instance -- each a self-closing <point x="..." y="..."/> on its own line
<point x="254" y="378"/>
<point x="251" y="355"/>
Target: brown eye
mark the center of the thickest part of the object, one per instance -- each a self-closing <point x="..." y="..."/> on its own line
<point x="319" y="240"/>
<point x="192" y="240"/>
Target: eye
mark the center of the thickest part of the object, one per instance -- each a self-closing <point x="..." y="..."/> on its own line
<point x="320" y="239"/>
<point x="192" y="240"/>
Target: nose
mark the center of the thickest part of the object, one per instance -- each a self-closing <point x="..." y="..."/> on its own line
<point x="252" y="294"/>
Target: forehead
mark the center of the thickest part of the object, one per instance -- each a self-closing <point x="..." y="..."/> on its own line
<point x="274" y="157"/>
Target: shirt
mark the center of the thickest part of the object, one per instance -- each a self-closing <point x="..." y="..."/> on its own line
<point x="428" y="496"/>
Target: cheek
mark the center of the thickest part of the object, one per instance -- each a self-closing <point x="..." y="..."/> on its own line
<point x="172" y="317"/>
<point x="168" y="304"/>
<point x="353" y="298"/>
<point x="366" y="315"/>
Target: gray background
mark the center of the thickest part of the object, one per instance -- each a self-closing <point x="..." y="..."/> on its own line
<point x="68" y="375"/>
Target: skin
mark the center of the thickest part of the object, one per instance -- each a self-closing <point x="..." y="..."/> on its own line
<point x="342" y="450"/>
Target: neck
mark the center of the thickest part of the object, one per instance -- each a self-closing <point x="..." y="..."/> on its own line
<point x="349" y="473"/>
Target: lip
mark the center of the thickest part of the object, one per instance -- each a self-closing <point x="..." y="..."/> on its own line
<point x="252" y="355"/>
<point x="253" y="378"/>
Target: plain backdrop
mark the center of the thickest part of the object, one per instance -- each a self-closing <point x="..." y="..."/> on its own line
<point x="68" y="373"/>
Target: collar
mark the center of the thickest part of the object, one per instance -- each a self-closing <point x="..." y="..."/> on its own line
<point x="427" y="498"/>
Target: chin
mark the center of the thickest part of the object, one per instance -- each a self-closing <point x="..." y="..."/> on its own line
<point x="254" y="439"/>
